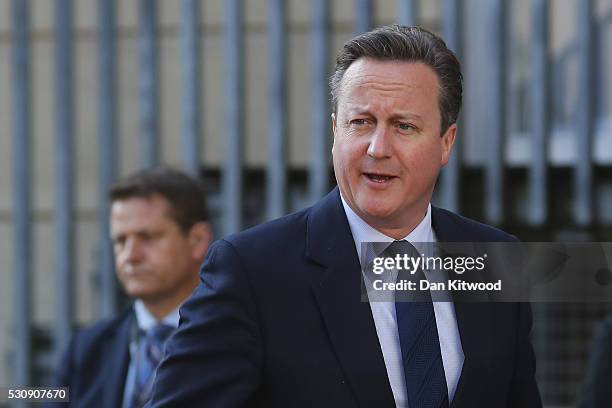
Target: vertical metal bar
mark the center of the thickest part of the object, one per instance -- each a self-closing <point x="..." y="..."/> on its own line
<point x="540" y="115"/>
<point x="277" y="157"/>
<point x="364" y="16"/>
<point x="190" y="34"/>
<point x="451" y="21"/>
<point x="22" y="200"/>
<point x="64" y="173"/>
<point x="107" y="147"/>
<point x="450" y="182"/>
<point x="319" y="161"/>
<point x="494" y="183"/>
<point x="149" y="73"/>
<point x="232" y="172"/>
<point x="583" y="167"/>
<point x="407" y="12"/>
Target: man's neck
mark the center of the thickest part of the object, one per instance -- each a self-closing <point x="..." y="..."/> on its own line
<point x="397" y="227"/>
<point x="393" y="228"/>
<point x="160" y="309"/>
<point x="397" y="233"/>
<point x="162" y="306"/>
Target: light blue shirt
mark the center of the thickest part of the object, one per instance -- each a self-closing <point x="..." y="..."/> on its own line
<point x="384" y="314"/>
<point x="145" y="321"/>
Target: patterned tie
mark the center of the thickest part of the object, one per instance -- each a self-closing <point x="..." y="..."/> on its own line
<point x="151" y="352"/>
<point x="420" y="346"/>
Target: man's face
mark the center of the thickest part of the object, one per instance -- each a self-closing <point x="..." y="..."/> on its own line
<point x="154" y="259"/>
<point x="387" y="150"/>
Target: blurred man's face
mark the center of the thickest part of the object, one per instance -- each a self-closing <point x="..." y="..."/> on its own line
<point x="154" y="259"/>
<point x="387" y="150"/>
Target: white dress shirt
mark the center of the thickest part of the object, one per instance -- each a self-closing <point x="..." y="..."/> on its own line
<point x="145" y="321"/>
<point x="385" y="321"/>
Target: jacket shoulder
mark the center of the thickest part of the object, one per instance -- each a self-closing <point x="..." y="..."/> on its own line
<point x="288" y="229"/>
<point x="85" y="354"/>
<point x="454" y="227"/>
<point x="88" y="337"/>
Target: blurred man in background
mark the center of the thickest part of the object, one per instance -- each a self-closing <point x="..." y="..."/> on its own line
<point x="160" y="236"/>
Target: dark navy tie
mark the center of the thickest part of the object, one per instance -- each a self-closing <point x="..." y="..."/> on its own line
<point x="151" y="352"/>
<point x="419" y="342"/>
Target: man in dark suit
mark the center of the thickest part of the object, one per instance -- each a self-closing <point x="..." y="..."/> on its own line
<point x="278" y="319"/>
<point x="160" y="234"/>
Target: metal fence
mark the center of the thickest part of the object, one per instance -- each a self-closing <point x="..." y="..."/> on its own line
<point x="492" y="156"/>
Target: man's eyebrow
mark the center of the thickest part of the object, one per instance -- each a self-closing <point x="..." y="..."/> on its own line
<point x="359" y="112"/>
<point x="406" y="115"/>
<point x="365" y="111"/>
<point x="397" y="116"/>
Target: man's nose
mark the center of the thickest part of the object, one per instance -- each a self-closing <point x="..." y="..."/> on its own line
<point x="380" y="143"/>
<point x="132" y="251"/>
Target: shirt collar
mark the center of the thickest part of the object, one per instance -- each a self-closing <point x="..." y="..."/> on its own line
<point x="146" y="320"/>
<point x="364" y="232"/>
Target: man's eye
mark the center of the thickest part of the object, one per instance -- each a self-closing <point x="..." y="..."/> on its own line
<point x="358" y="122"/>
<point x="406" y="127"/>
<point x="146" y="237"/>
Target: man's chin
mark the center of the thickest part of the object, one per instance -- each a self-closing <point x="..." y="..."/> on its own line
<point x="140" y="292"/>
<point x="377" y="211"/>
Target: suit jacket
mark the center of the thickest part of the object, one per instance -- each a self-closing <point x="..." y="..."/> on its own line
<point x="277" y="322"/>
<point x="597" y="392"/>
<point x="96" y="362"/>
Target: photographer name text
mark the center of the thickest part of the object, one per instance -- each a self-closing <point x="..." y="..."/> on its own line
<point x="424" y="284"/>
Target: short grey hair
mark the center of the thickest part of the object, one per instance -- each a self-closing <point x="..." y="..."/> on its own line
<point x="410" y="44"/>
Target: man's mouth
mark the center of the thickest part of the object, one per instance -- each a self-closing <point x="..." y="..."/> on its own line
<point x="134" y="271"/>
<point x="378" y="178"/>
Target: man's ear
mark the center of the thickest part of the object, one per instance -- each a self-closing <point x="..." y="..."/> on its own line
<point x="200" y="237"/>
<point x="448" y="140"/>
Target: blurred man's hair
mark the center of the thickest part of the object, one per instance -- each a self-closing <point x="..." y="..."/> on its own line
<point x="185" y="195"/>
<point x="409" y="44"/>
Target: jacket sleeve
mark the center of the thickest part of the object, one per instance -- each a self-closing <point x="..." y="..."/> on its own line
<point x="214" y="358"/>
<point x="524" y="390"/>
<point x="64" y="373"/>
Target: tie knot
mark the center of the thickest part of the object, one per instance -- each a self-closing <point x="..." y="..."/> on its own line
<point x="160" y="333"/>
<point x="155" y="339"/>
<point x="400" y="248"/>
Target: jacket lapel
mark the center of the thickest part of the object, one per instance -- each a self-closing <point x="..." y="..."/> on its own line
<point x="471" y="319"/>
<point x="348" y="320"/>
<point x="116" y="364"/>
